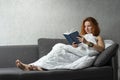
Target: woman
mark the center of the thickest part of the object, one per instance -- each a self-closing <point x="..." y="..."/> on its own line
<point x="70" y="57"/>
<point x="90" y="25"/>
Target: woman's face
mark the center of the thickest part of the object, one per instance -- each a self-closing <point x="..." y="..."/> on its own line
<point x="88" y="27"/>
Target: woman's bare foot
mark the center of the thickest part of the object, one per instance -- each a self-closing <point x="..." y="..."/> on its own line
<point x="35" y="68"/>
<point x="21" y="65"/>
<point x="27" y="67"/>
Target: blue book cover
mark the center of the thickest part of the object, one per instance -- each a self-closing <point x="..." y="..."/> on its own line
<point x="72" y="37"/>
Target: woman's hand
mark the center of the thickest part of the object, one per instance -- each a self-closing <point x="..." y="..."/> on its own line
<point x="82" y="39"/>
<point x="74" y="45"/>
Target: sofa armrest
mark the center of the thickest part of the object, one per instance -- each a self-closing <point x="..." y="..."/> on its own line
<point x="26" y="53"/>
<point x="115" y="66"/>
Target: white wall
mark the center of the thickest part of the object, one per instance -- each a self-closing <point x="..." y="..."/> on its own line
<point x="24" y="21"/>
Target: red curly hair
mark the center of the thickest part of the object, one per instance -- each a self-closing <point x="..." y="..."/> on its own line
<point x="94" y="24"/>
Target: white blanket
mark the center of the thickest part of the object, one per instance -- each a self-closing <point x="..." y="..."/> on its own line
<point x="64" y="56"/>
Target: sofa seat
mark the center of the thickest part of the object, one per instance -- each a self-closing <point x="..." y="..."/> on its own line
<point x="9" y="73"/>
<point x="92" y="73"/>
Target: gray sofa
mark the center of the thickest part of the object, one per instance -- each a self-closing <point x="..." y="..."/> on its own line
<point x="104" y="70"/>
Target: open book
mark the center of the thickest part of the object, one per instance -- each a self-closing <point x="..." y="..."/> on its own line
<point x="72" y="37"/>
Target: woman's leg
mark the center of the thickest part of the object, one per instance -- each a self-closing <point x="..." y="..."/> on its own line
<point x="21" y="65"/>
<point x="27" y="67"/>
<point x="35" y="68"/>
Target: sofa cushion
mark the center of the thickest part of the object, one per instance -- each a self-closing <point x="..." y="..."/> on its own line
<point x="9" y="73"/>
<point x="45" y="45"/>
<point x="106" y="55"/>
<point x="92" y="73"/>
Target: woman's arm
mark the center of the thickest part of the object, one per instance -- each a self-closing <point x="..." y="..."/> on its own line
<point x="100" y="46"/>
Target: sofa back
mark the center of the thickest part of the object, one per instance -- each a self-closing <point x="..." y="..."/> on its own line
<point x="26" y="53"/>
<point x="45" y="45"/>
